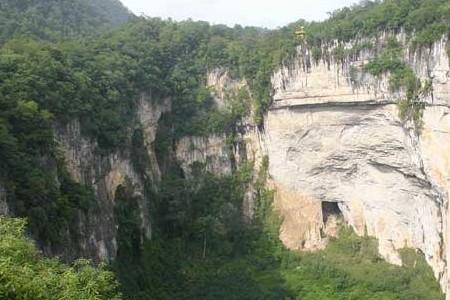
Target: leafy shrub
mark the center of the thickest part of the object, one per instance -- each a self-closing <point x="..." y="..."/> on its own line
<point x="25" y="274"/>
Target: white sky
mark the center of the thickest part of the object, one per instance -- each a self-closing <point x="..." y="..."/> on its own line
<point x="266" y="13"/>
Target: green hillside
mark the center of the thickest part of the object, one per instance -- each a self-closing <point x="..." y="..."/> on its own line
<point x="59" y="19"/>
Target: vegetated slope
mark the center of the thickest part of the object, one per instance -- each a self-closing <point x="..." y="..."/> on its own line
<point x="59" y="19"/>
<point x="98" y="81"/>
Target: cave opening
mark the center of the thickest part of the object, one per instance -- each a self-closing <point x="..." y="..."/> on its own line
<point x="330" y="209"/>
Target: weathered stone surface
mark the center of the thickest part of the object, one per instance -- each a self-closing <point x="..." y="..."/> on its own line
<point x="362" y="158"/>
<point x="105" y="173"/>
<point x="148" y="113"/>
<point x="97" y="230"/>
<point x="216" y="153"/>
<point x="330" y="80"/>
<point x="433" y="64"/>
<point x="251" y="148"/>
<point x="221" y="84"/>
<point x="333" y="135"/>
<point x="434" y="145"/>
<point x="212" y="152"/>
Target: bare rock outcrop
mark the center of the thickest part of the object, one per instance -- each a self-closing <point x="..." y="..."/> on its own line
<point x="105" y="173"/>
<point x="334" y="135"/>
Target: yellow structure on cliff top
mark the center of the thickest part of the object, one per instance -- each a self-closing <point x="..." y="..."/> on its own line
<point x="301" y="34"/>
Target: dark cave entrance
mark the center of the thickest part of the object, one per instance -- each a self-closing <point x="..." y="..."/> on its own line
<point x="330" y="209"/>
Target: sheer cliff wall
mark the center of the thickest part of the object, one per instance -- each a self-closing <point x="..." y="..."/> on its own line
<point x="334" y="135"/>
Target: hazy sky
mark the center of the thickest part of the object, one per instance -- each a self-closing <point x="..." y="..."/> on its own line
<point x="268" y="13"/>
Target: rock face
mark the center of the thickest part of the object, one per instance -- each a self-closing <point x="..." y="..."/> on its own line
<point x="221" y="84"/>
<point x="434" y="145"/>
<point x="333" y="135"/>
<point x="218" y="154"/>
<point x="362" y="158"/>
<point x="148" y="115"/>
<point x="212" y="152"/>
<point x="105" y="173"/>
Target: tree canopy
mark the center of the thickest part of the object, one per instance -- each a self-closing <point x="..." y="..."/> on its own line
<point x="59" y="19"/>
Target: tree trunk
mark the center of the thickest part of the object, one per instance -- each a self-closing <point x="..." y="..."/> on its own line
<point x="204" y="245"/>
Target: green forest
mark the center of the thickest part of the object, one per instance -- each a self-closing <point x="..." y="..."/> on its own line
<point x="90" y="60"/>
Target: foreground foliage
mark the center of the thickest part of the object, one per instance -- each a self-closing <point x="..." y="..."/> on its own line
<point x="26" y="275"/>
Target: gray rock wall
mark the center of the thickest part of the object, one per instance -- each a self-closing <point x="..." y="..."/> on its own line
<point x="333" y="136"/>
<point x="97" y="230"/>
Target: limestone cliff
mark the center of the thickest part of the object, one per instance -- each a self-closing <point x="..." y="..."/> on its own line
<point x="221" y="154"/>
<point x="211" y="151"/>
<point x="334" y="138"/>
<point x="96" y="230"/>
<point x="148" y="114"/>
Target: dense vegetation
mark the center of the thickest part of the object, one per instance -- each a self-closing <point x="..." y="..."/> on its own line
<point x="59" y="19"/>
<point x="26" y="275"/>
<point x="350" y="268"/>
<point x="52" y="71"/>
<point x="203" y="250"/>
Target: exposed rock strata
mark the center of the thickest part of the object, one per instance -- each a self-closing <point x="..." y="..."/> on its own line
<point x="332" y="135"/>
<point x="221" y="84"/>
